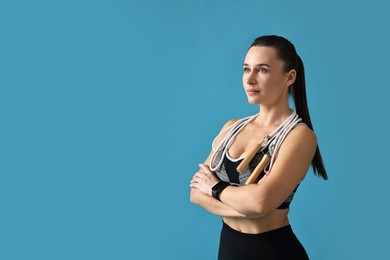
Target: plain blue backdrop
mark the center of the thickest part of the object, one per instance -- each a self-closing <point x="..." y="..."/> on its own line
<point x="107" y="107"/>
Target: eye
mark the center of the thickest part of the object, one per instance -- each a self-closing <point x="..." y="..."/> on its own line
<point x="246" y="69"/>
<point x="263" y="70"/>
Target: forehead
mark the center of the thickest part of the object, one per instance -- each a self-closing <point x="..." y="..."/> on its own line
<point x="262" y="54"/>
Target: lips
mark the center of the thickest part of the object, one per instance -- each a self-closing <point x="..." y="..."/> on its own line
<point x="252" y="91"/>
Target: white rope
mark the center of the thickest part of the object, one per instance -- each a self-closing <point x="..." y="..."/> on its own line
<point x="286" y="128"/>
<point x="224" y="145"/>
<point x="276" y="138"/>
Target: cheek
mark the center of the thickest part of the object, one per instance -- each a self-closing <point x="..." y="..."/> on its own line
<point x="273" y="81"/>
<point x="267" y="81"/>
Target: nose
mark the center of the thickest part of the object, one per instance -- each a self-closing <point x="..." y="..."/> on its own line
<point x="251" y="78"/>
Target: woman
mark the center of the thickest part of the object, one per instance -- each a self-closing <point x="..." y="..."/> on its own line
<point x="255" y="213"/>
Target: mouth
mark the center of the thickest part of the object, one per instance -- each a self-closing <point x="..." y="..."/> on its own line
<point x="252" y="91"/>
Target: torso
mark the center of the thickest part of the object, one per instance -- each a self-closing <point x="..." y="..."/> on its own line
<point x="273" y="220"/>
<point x="276" y="218"/>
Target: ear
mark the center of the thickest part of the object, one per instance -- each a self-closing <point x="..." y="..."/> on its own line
<point x="291" y="77"/>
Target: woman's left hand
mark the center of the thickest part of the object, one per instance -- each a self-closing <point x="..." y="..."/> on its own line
<point x="205" y="180"/>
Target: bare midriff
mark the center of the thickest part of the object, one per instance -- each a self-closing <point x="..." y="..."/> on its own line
<point x="273" y="220"/>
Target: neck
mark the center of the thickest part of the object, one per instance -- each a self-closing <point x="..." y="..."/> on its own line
<point x="273" y="116"/>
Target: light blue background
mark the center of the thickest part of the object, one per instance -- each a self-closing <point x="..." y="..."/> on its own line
<point x="107" y="107"/>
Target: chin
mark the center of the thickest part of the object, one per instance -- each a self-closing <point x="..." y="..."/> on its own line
<point x="253" y="101"/>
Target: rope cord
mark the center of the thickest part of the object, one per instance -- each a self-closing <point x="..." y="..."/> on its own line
<point x="276" y="137"/>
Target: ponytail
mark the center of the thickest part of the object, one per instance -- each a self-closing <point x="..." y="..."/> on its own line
<point x="298" y="91"/>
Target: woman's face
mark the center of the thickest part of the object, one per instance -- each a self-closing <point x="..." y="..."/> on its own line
<point x="264" y="79"/>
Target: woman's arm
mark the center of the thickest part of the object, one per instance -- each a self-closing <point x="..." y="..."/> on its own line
<point x="289" y="169"/>
<point x="205" y="200"/>
<point x="212" y="205"/>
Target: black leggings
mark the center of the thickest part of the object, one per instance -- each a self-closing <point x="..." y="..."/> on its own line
<point x="278" y="244"/>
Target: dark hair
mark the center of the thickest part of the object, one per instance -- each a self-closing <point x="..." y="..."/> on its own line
<point x="287" y="53"/>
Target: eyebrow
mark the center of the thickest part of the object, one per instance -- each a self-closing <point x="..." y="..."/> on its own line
<point x="259" y="65"/>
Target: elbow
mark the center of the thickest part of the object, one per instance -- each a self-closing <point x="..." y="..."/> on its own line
<point x="256" y="212"/>
<point x="256" y="204"/>
<point x="258" y="209"/>
<point x="193" y="197"/>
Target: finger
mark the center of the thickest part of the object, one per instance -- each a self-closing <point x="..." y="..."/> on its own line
<point x="198" y="175"/>
<point x="197" y="178"/>
<point x="194" y="185"/>
<point x="195" y="175"/>
<point x="205" y="168"/>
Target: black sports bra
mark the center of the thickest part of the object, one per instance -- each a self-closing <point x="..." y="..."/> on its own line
<point x="227" y="172"/>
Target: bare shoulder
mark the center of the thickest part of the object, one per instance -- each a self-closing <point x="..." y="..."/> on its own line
<point x="224" y="131"/>
<point x="303" y="131"/>
<point x="229" y="123"/>
<point x="219" y="138"/>
<point x="296" y="153"/>
<point x="303" y="137"/>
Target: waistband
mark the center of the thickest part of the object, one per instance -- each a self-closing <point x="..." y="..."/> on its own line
<point x="276" y="235"/>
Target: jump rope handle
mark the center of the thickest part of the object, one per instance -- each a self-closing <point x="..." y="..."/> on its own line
<point x="258" y="170"/>
<point x="242" y="166"/>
